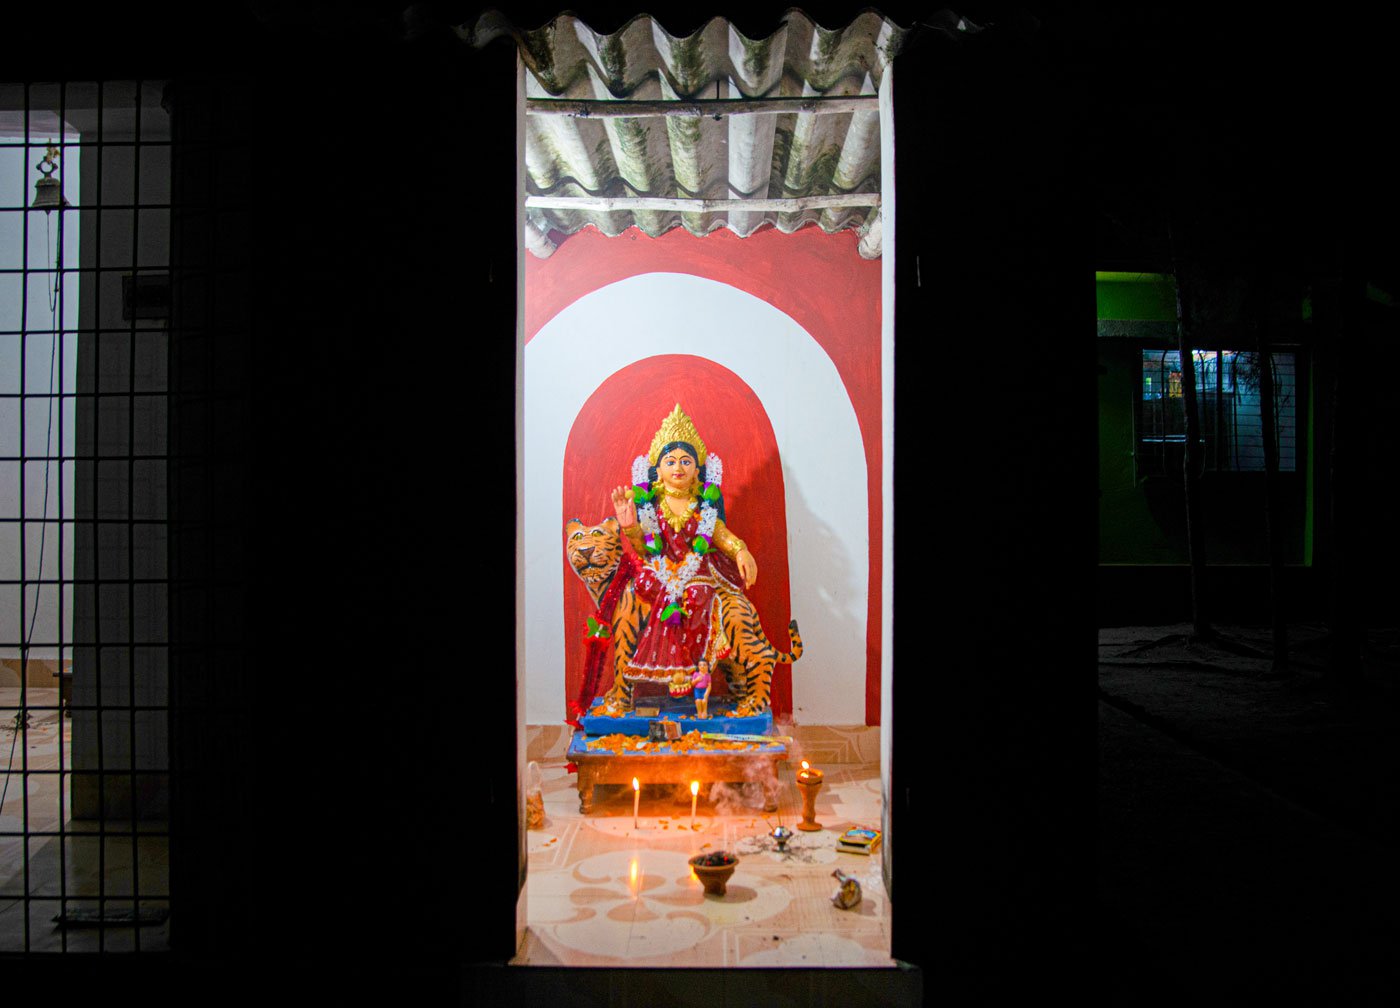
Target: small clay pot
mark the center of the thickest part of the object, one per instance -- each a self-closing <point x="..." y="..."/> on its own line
<point x="712" y="877"/>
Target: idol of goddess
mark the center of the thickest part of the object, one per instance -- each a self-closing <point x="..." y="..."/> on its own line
<point x="674" y="517"/>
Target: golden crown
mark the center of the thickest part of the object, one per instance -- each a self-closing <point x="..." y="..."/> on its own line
<point x="677" y="427"/>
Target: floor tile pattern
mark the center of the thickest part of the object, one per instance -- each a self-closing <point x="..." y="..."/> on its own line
<point x="92" y="865"/>
<point x="605" y="891"/>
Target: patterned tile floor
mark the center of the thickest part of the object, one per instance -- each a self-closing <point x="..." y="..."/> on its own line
<point x="603" y="893"/>
<point x="600" y="892"/>
<point x="91" y="864"/>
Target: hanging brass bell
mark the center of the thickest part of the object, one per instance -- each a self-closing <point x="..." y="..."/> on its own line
<point x="48" y="191"/>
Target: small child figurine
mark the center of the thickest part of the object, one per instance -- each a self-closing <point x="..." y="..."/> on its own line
<point x="701" y="681"/>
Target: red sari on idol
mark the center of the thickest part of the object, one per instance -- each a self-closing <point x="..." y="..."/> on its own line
<point x="679" y="643"/>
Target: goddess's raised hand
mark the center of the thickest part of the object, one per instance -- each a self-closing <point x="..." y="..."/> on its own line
<point x="624" y="506"/>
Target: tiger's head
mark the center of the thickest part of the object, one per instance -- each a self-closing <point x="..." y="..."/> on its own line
<point x="594" y="552"/>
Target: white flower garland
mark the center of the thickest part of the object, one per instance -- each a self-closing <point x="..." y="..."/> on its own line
<point x="646" y="517"/>
<point x="708" y="517"/>
<point x="675" y="581"/>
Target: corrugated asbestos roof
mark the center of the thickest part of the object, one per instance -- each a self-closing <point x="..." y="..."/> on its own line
<point x="796" y="153"/>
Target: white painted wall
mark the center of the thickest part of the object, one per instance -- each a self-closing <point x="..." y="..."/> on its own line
<point x="824" y="468"/>
<point x="33" y="364"/>
<point x="522" y="910"/>
<point x="887" y="295"/>
<point x="113" y="674"/>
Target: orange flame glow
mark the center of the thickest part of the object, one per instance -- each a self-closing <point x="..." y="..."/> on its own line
<point x="695" y="787"/>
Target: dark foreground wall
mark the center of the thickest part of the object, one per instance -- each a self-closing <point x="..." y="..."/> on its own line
<point x="337" y="300"/>
<point x="994" y="464"/>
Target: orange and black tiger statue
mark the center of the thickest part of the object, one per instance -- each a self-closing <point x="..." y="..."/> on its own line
<point x="596" y="555"/>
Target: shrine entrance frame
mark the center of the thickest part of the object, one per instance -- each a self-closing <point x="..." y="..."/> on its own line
<point x="887" y="360"/>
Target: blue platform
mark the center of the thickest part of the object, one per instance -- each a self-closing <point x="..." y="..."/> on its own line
<point x="578" y="746"/>
<point x="721" y="720"/>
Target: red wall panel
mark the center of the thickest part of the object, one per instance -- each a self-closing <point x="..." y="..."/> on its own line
<point x="817" y="279"/>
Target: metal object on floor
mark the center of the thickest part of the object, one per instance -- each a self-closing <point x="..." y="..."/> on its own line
<point x="109" y="917"/>
<point x="849" y="894"/>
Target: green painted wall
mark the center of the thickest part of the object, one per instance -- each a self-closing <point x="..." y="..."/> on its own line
<point x="1136" y="297"/>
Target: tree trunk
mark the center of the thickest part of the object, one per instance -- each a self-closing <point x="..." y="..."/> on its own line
<point x="1268" y="421"/>
<point x="1345" y="658"/>
<point x="1192" y="460"/>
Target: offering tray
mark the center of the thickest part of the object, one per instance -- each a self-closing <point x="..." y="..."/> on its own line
<point x="660" y="763"/>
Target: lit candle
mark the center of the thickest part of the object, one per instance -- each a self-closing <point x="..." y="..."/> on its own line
<point x="636" y="799"/>
<point x="694" y="797"/>
<point x="809" y="782"/>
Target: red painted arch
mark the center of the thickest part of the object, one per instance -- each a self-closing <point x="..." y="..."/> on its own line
<point x="817" y="279"/>
<point x="616" y="425"/>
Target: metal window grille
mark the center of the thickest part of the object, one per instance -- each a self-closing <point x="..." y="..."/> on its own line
<point x="1227" y="400"/>
<point x="84" y="314"/>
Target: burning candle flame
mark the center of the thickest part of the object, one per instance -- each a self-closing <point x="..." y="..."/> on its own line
<point x="636" y="784"/>
<point x="695" y="787"/>
<point x="806" y="765"/>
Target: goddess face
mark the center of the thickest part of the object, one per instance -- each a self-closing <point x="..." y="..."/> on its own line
<point x="677" y="469"/>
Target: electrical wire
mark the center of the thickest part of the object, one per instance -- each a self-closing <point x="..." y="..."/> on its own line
<point x="22" y="715"/>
